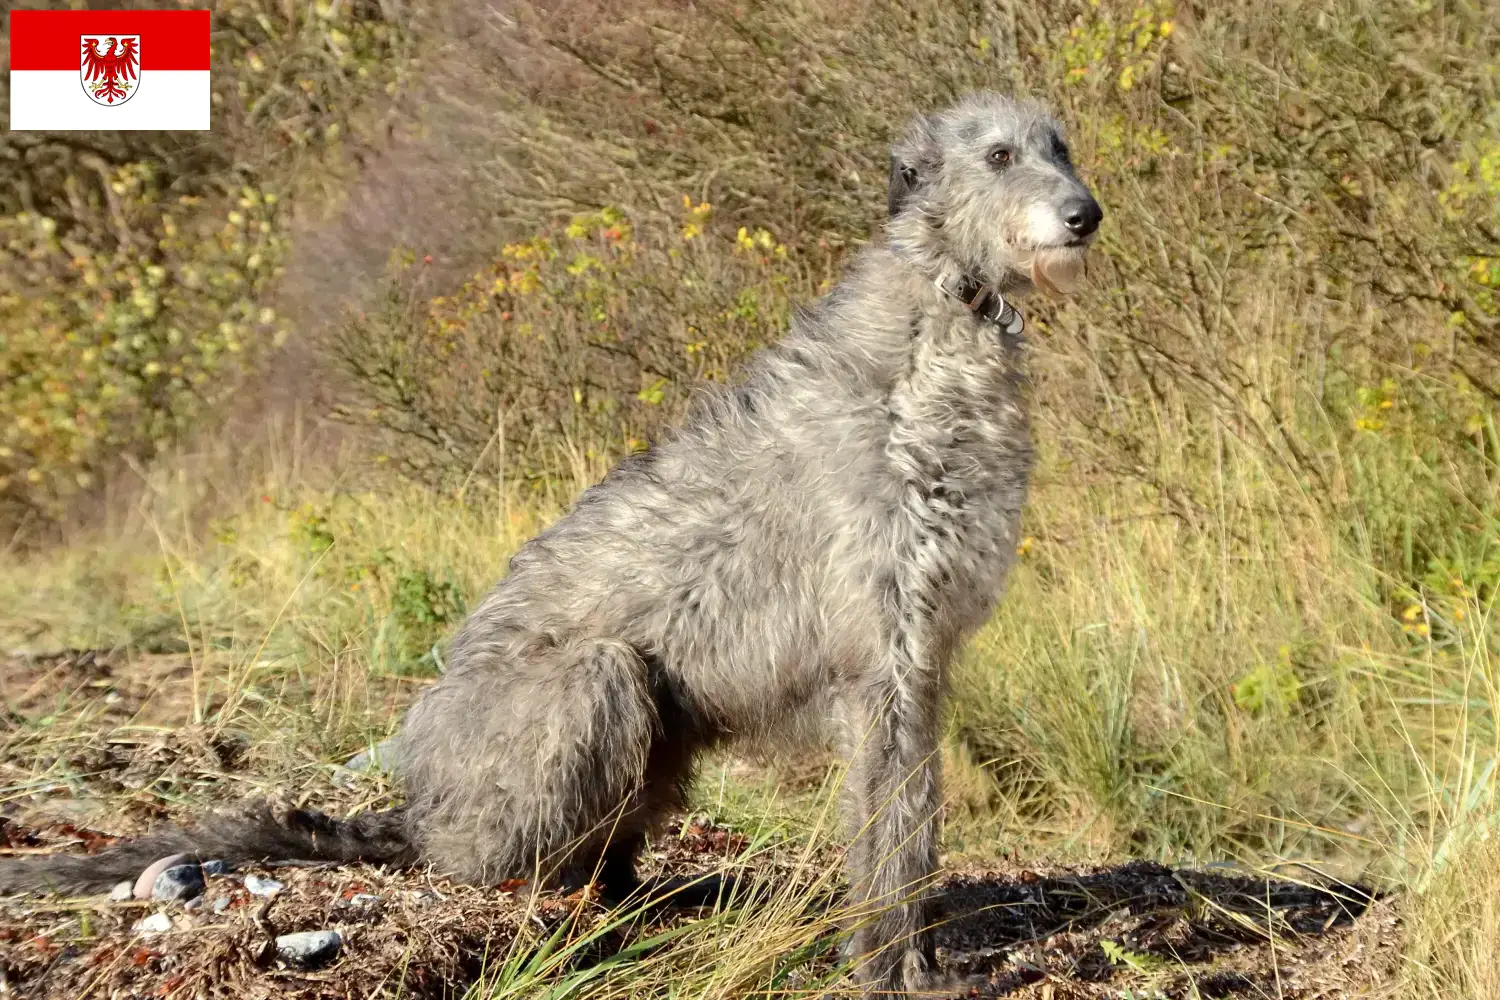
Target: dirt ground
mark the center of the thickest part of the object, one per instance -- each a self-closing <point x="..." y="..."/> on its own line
<point x="1135" y="930"/>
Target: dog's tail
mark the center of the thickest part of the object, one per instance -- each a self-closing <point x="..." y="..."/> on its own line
<point x="259" y="832"/>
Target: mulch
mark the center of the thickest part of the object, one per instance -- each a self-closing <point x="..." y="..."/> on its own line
<point x="1060" y="933"/>
<point x="1137" y="929"/>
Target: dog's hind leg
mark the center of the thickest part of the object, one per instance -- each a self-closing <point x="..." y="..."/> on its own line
<point x="535" y="764"/>
<point x="669" y="769"/>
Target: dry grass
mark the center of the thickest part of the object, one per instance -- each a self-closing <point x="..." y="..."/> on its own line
<point x="1133" y="698"/>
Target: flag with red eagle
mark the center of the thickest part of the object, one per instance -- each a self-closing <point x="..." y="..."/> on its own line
<point x="110" y="67"/>
<point x="106" y="70"/>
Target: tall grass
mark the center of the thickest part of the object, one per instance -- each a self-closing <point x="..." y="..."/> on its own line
<point x="1227" y="688"/>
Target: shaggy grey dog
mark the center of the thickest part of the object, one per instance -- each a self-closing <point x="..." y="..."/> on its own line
<point x="811" y="547"/>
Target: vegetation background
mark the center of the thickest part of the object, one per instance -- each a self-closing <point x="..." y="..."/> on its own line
<point x="281" y="397"/>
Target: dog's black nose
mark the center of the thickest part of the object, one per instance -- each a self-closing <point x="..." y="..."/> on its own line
<point x="1082" y="216"/>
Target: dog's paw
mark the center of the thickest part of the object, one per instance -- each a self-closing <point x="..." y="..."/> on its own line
<point x="955" y="986"/>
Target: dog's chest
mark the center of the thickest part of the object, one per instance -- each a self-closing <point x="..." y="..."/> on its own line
<point x="960" y="446"/>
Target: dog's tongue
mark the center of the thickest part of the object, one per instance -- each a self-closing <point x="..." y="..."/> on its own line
<point x="1058" y="274"/>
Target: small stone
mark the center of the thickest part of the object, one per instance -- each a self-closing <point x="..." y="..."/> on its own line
<point x="157" y="923"/>
<point x="381" y="758"/>
<point x="215" y="867"/>
<point x="146" y="882"/>
<point x="361" y="899"/>
<point x="122" y="892"/>
<point x="308" y="949"/>
<point x="256" y="885"/>
<point x="177" y="883"/>
<point x="221" y="904"/>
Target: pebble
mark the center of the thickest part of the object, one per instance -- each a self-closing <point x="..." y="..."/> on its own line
<point x="221" y="904"/>
<point x="258" y="886"/>
<point x="360" y="900"/>
<point x="157" y="923"/>
<point x="147" y="879"/>
<point x="307" y="949"/>
<point x="177" y="883"/>
<point x="122" y="892"/>
<point x="381" y="758"/>
<point x="216" y="867"/>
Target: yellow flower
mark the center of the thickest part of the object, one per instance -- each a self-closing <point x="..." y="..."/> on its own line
<point x="1026" y="545"/>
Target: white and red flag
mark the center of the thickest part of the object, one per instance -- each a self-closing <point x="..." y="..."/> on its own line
<point x="109" y="69"/>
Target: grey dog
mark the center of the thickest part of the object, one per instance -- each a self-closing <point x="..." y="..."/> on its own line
<point x="812" y="545"/>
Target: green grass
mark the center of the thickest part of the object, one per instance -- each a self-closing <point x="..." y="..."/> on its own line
<point x="1148" y="688"/>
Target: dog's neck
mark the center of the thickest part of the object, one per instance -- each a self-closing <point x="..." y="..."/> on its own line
<point x="980" y="297"/>
<point x="912" y="242"/>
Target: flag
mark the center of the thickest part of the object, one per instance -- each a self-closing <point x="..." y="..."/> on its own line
<point x="109" y="69"/>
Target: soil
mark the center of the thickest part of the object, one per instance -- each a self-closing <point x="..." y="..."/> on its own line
<point x="1133" y="930"/>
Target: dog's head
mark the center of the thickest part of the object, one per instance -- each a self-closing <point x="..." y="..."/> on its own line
<point x="989" y="184"/>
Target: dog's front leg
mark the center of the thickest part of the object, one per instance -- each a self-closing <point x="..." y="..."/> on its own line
<point x="893" y="787"/>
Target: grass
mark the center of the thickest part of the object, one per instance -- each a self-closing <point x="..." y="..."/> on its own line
<point x="1150" y="688"/>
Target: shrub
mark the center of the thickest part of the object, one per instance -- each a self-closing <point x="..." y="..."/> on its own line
<point x="1300" y="266"/>
<point x="421" y="610"/>
<point x="135" y="267"/>
<point x="594" y="334"/>
<point x="123" y="347"/>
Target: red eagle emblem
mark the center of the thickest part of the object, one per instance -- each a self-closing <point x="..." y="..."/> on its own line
<point x="110" y="67"/>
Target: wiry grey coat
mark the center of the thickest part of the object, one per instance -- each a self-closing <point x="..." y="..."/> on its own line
<point x="813" y="545"/>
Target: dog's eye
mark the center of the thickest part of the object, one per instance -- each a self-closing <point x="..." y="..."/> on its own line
<point x="1000" y="156"/>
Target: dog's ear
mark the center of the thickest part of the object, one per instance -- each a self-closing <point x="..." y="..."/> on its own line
<point x="913" y="160"/>
<point x="903" y="182"/>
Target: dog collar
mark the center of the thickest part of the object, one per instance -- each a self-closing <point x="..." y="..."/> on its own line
<point x="983" y="300"/>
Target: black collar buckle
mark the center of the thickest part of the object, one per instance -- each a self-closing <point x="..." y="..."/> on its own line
<point x="984" y="301"/>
